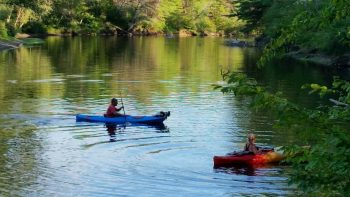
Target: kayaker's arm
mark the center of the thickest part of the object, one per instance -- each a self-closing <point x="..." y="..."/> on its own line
<point x="118" y="109"/>
<point x="251" y="148"/>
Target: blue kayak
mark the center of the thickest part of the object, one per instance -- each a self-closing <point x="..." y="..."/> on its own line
<point x="157" y="119"/>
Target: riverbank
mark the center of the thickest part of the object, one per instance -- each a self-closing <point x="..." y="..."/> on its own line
<point x="121" y="32"/>
<point x="14" y="43"/>
<point x="302" y="55"/>
<point x="18" y="41"/>
<point x="341" y="61"/>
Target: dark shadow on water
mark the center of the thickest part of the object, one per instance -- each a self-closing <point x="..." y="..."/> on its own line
<point x="239" y="170"/>
<point x="112" y="129"/>
<point x="248" y="170"/>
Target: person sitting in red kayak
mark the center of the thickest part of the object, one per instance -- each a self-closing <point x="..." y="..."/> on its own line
<point x="250" y="145"/>
<point x="112" y="110"/>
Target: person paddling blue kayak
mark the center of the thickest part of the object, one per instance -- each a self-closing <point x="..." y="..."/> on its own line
<point x="113" y="116"/>
<point x="113" y="110"/>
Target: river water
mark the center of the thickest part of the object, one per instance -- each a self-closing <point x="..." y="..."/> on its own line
<point x="45" y="152"/>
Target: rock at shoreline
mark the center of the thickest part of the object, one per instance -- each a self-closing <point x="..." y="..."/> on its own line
<point x="238" y="43"/>
<point x="16" y="43"/>
<point x="184" y="33"/>
<point x="22" y="36"/>
<point x="342" y="61"/>
<point x="10" y="44"/>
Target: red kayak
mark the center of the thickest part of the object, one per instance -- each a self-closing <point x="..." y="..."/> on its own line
<point x="244" y="158"/>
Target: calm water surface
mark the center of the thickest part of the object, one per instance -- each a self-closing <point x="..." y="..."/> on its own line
<point x="44" y="152"/>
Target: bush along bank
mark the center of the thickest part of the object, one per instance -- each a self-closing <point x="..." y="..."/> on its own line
<point x="313" y="31"/>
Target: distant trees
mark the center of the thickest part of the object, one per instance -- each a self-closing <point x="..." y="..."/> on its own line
<point x="317" y="25"/>
<point x="16" y="13"/>
<point x="108" y="16"/>
<point x="252" y="12"/>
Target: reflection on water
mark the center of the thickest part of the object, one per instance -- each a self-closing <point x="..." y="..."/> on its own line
<point x="44" y="152"/>
<point x="113" y="129"/>
<point x="238" y="170"/>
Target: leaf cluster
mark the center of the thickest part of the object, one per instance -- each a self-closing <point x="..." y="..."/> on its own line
<point x="251" y="11"/>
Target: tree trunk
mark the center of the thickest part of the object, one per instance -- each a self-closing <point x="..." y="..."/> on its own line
<point x="8" y="20"/>
<point x="134" y="19"/>
<point x="19" y="13"/>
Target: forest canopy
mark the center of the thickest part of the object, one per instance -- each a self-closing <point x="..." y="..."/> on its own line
<point x="315" y="26"/>
<point x="197" y="17"/>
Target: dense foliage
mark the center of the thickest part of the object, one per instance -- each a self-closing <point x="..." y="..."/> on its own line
<point x="315" y="26"/>
<point x="109" y="16"/>
<point x="252" y="11"/>
<point x="322" y="167"/>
